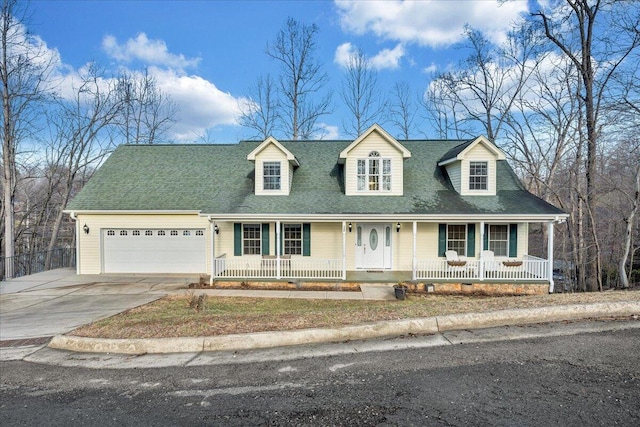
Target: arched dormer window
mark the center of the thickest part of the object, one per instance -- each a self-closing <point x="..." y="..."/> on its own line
<point x="374" y="173"/>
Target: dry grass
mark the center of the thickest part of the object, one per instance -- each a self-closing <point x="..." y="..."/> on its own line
<point x="172" y="317"/>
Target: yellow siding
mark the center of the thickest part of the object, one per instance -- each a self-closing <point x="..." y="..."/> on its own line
<point x="272" y="153"/>
<point x="479" y="153"/>
<point x="374" y="142"/>
<point x="90" y="261"/>
<point x="523" y="239"/>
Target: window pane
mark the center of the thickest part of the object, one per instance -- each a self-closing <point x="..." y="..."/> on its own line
<point x="271" y="175"/>
<point x="457" y="238"/>
<point x="478" y="172"/>
<point x="292" y="239"/>
<point x="251" y="239"/>
<point x="499" y="239"/>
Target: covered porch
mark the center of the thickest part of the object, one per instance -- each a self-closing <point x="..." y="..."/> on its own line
<point x="527" y="269"/>
<point x="330" y="253"/>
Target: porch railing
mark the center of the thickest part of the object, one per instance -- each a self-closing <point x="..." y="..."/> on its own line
<point x="31" y="263"/>
<point x="273" y="268"/>
<point x="527" y="268"/>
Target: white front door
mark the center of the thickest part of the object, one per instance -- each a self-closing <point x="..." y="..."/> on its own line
<point x="373" y="246"/>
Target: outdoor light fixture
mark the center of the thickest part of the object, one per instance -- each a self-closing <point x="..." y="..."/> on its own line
<point x="350" y="227"/>
<point x="398" y="227"/>
<point x="216" y="229"/>
<point x="86" y="229"/>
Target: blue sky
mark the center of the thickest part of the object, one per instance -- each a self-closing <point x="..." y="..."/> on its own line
<point x="207" y="54"/>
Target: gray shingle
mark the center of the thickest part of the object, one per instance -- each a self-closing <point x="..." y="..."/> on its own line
<point x="218" y="179"/>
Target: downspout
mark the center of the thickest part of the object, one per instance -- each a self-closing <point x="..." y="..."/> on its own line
<point x="74" y="217"/>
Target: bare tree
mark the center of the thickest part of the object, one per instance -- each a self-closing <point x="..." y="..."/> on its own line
<point x="361" y="94"/>
<point x="597" y="49"/>
<point x="488" y="81"/>
<point x="82" y="136"/>
<point x="146" y="111"/>
<point x="402" y="109"/>
<point x="24" y="67"/>
<point x="259" y="112"/>
<point x="301" y="79"/>
<point x="442" y="111"/>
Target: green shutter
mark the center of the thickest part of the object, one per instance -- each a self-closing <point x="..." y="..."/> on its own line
<point x="513" y="240"/>
<point x="237" y="239"/>
<point x="471" y="240"/>
<point x="265" y="239"/>
<point x="442" y="239"/>
<point x="306" y="239"/>
<point x="486" y="237"/>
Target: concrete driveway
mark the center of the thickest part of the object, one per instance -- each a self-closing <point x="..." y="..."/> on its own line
<point x="58" y="301"/>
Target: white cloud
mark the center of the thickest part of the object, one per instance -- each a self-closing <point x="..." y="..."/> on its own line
<point x="388" y="58"/>
<point x="201" y="104"/>
<point x="385" y="59"/>
<point x="327" y="132"/>
<point x="343" y="54"/>
<point x="430" y="69"/>
<point x="433" y="23"/>
<point x="141" y="48"/>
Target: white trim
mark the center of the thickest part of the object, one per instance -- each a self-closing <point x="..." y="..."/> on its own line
<point x="389" y="217"/>
<point x="272" y="141"/>
<point x="374" y="128"/>
<point x="498" y="153"/>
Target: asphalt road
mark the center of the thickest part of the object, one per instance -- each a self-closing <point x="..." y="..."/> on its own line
<point x="581" y="380"/>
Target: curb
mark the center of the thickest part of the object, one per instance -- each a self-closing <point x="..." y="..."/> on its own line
<point x="427" y="325"/>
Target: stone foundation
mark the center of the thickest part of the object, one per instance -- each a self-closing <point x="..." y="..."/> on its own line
<point x="416" y="287"/>
<point x="490" y="288"/>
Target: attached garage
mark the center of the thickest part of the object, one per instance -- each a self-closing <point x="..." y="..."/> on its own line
<point x="154" y="251"/>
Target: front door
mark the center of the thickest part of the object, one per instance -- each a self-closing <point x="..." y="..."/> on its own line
<point x="373" y="246"/>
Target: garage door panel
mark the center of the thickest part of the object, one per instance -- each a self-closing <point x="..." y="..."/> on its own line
<point x="154" y="251"/>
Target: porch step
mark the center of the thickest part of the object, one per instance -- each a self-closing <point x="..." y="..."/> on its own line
<point x="377" y="291"/>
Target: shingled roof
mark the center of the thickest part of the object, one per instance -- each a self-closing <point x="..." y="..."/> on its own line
<point x="219" y="180"/>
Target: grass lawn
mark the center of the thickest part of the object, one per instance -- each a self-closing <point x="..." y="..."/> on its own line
<point x="172" y="316"/>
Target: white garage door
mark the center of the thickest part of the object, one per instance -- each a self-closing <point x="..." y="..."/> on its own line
<point x="154" y="251"/>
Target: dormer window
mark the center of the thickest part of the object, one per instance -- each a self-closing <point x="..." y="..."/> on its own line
<point x="374" y="173"/>
<point x="478" y="174"/>
<point x="271" y="175"/>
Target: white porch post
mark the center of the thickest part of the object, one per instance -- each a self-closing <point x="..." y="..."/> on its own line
<point x="550" y="254"/>
<point x="481" y="268"/>
<point x="344" y="250"/>
<point x="414" y="261"/>
<point x="213" y="251"/>
<point x="278" y="250"/>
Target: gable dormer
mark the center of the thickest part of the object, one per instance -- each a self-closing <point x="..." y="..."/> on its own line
<point x="471" y="167"/>
<point x="274" y="166"/>
<point x="373" y="164"/>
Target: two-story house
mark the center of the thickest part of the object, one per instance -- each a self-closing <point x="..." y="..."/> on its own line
<point x="435" y="211"/>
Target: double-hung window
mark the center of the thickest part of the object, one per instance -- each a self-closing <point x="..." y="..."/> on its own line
<point x="374" y="173"/>
<point x="251" y="239"/>
<point x="499" y="239"/>
<point x="478" y="174"/>
<point x="292" y="239"/>
<point x="271" y="175"/>
<point x="457" y="238"/>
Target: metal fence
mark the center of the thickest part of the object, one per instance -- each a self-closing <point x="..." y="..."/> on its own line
<point x="30" y="263"/>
